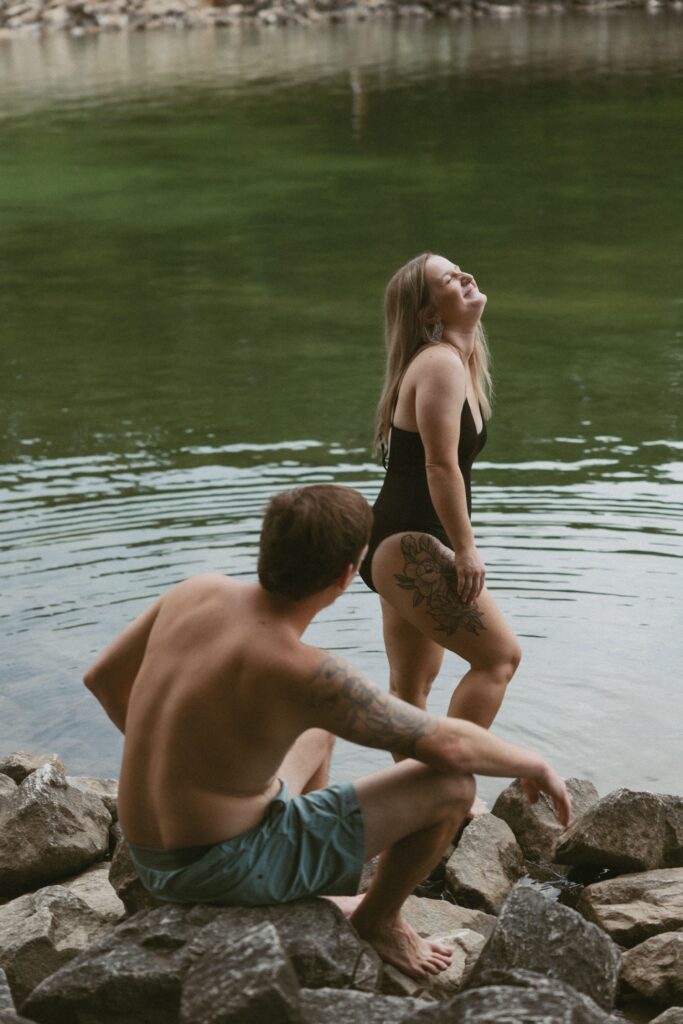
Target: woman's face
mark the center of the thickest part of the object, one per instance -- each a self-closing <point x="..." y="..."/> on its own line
<point x="453" y="292"/>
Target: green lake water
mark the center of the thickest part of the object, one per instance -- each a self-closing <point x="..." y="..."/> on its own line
<point x="195" y="232"/>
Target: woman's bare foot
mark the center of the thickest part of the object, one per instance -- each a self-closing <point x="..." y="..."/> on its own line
<point x="347" y="904"/>
<point x="398" y="943"/>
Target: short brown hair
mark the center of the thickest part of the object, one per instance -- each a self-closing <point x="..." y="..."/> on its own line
<point x="309" y="537"/>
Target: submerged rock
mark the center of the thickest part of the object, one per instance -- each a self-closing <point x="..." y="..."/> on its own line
<point x="49" y="830"/>
<point x="535" y="826"/>
<point x="536" y="935"/>
<point x="486" y="864"/>
<point x="634" y="907"/>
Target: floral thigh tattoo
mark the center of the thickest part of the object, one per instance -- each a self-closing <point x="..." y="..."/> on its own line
<point x="433" y="579"/>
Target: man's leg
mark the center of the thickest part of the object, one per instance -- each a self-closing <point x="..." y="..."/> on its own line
<point x="411" y="812"/>
<point x="307" y="763"/>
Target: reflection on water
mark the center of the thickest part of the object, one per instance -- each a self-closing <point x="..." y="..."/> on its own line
<point x="587" y="571"/>
<point x="197" y="228"/>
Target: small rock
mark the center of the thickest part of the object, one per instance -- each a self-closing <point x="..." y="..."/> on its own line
<point x="548" y="1001"/>
<point x="634" y="907"/>
<point x="655" y="968"/>
<point x="6" y="997"/>
<point x="242" y="979"/>
<point x="438" y="917"/>
<point x="486" y="864"/>
<point x="106" y="789"/>
<point x="21" y="764"/>
<point x="49" y="831"/>
<point x="7" y="787"/>
<point x="95" y="889"/>
<point x="347" y="1007"/>
<point x="534" y="934"/>
<point x="466" y="945"/>
<point x="674" y="1015"/>
<point x="126" y="883"/>
<point x="535" y="826"/>
<point x="41" y="932"/>
<point x="625" y="830"/>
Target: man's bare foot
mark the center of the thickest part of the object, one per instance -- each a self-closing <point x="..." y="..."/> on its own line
<point x="398" y="943"/>
<point x="347" y="904"/>
<point x="478" y="807"/>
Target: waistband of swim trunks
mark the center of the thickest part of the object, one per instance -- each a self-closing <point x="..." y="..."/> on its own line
<point x="167" y="860"/>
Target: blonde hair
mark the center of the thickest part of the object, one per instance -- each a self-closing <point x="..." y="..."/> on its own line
<point x="406" y="301"/>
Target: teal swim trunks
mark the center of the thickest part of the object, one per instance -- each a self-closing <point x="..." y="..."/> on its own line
<point x="303" y="846"/>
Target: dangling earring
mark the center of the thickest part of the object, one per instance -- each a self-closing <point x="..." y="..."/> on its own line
<point x="436" y="332"/>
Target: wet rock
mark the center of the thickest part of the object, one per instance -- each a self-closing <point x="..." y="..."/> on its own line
<point x="438" y="917"/>
<point x="41" y="932"/>
<point x="634" y="907"/>
<point x="20" y="764"/>
<point x="548" y="1001"/>
<point x="486" y="864"/>
<point x="242" y="979"/>
<point x="466" y="945"/>
<point x="536" y="935"/>
<point x="49" y="831"/>
<point x="106" y="789"/>
<point x="655" y="968"/>
<point x="344" y="1007"/>
<point x="95" y="889"/>
<point x="535" y="826"/>
<point x="626" y="830"/>
<point x="136" y="969"/>
<point x="126" y="883"/>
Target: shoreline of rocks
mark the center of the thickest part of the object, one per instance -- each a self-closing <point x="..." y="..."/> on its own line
<point x="570" y="923"/>
<point x="83" y="17"/>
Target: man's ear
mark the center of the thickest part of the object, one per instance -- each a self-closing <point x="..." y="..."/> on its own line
<point x="346" y="577"/>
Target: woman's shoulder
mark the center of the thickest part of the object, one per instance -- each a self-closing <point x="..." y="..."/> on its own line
<point x="435" y="361"/>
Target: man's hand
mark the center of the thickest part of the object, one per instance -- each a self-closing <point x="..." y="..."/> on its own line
<point x="550" y="783"/>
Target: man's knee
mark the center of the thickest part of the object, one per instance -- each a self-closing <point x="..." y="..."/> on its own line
<point x="454" y="793"/>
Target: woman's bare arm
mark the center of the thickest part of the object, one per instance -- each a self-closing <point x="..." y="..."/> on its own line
<point x="439" y="398"/>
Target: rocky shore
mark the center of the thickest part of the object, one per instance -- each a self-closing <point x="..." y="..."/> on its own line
<point x="548" y="925"/>
<point x="80" y="17"/>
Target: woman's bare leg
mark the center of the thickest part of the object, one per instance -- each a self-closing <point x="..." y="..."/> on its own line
<point x="415" y="578"/>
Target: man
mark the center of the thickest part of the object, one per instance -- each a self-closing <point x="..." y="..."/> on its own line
<point x="229" y="721"/>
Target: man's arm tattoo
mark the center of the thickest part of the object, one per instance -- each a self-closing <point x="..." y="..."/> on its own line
<point x="433" y="579"/>
<point x="359" y="711"/>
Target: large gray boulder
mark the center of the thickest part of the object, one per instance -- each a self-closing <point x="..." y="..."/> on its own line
<point x="534" y="934"/>
<point x="485" y="865"/>
<point x="545" y="1001"/>
<point x="42" y="931"/>
<point x="343" y="1006"/>
<point x="634" y="907"/>
<point x="535" y="826"/>
<point x="628" y="831"/>
<point x="242" y="979"/>
<point x="135" y="972"/>
<point x="7" y="788"/>
<point x="20" y="764"/>
<point x="6" y="997"/>
<point x="655" y="968"/>
<point x="49" y="830"/>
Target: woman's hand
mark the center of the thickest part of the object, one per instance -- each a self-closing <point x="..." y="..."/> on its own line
<point x="471" y="574"/>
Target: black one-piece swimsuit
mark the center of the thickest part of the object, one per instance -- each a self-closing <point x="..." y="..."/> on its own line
<point x="404" y="503"/>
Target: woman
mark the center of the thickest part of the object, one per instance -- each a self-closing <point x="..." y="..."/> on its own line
<point x="422" y="558"/>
